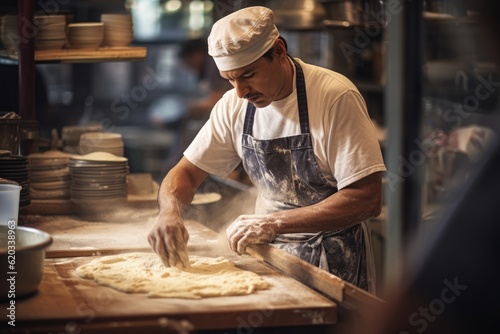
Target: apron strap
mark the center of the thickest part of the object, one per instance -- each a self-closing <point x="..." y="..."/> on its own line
<point x="301" y="98"/>
<point x="249" y="116"/>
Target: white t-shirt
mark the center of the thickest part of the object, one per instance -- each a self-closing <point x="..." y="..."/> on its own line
<point x="344" y="139"/>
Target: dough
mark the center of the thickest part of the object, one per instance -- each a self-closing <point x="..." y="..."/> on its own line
<point x="144" y="273"/>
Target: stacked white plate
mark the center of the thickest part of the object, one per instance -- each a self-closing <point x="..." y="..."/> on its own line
<point x="101" y="142"/>
<point x="98" y="178"/>
<point x="51" y="32"/>
<point x="10" y="35"/>
<point x="118" y="29"/>
<point x="49" y="175"/>
<point x="88" y="35"/>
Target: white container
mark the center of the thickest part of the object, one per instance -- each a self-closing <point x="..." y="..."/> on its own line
<point x="9" y="204"/>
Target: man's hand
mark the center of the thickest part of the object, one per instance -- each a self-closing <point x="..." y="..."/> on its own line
<point x="248" y="230"/>
<point x="168" y="239"/>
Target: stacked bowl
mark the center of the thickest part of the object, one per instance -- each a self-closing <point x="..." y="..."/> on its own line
<point x="71" y="135"/>
<point x="118" y="31"/>
<point x="51" y="32"/>
<point x="101" y="142"/>
<point x="87" y="35"/>
<point x="9" y="32"/>
<point x="50" y="177"/>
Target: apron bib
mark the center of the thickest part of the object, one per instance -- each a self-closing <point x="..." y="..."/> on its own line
<point x="286" y="175"/>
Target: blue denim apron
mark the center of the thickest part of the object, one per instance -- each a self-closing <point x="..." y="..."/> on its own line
<point x="286" y="175"/>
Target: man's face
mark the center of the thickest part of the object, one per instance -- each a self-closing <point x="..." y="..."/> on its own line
<point x="261" y="82"/>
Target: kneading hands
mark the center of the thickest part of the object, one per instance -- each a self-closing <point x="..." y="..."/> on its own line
<point x="248" y="230"/>
<point x="169" y="239"/>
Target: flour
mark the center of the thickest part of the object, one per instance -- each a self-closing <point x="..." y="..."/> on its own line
<point x="144" y="273"/>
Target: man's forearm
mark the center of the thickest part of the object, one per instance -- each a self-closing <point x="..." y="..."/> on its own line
<point x="179" y="186"/>
<point x="345" y="208"/>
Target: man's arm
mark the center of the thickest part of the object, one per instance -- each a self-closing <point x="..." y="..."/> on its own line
<point x="169" y="237"/>
<point x="351" y="205"/>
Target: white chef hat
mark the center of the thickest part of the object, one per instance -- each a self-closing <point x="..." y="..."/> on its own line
<point x="242" y="37"/>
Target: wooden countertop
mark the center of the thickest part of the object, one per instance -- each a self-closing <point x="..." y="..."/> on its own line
<point x="64" y="299"/>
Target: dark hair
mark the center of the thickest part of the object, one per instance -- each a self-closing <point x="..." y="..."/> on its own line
<point x="270" y="53"/>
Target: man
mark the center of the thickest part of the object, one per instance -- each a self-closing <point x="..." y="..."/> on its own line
<point x="307" y="143"/>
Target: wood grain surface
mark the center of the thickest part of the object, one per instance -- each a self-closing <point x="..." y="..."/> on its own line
<point x="64" y="298"/>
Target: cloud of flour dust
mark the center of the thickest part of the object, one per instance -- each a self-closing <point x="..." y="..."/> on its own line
<point x="219" y="215"/>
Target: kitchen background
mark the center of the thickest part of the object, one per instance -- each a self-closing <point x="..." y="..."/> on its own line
<point x="147" y="101"/>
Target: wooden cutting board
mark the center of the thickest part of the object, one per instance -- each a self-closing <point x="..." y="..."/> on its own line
<point x="64" y="298"/>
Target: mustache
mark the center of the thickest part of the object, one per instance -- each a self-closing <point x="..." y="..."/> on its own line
<point x="251" y="96"/>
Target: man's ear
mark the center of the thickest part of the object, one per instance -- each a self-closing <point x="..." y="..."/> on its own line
<point x="280" y="48"/>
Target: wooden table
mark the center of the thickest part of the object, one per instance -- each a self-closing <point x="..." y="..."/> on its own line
<point x="64" y="300"/>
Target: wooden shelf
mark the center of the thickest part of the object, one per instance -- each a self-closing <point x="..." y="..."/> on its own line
<point x="84" y="55"/>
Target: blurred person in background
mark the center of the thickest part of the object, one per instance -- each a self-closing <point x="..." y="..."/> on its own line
<point x="194" y="55"/>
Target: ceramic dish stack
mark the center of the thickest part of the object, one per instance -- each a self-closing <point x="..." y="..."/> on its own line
<point x="101" y="142"/>
<point x="49" y="175"/>
<point x="86" y="35"/>
<point x="71" y="135"/>
<point x="9" y="29"/>
<point x="118" y="31"/>
<point x="16" y="168"/>
<point x="51" y="32"/>
<point x="98" y="179"/>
